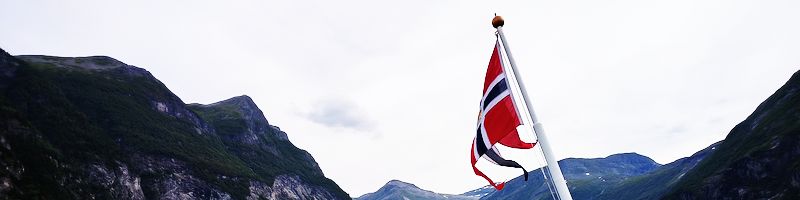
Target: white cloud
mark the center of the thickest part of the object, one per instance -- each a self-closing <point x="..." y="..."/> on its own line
<point x="341" y="114"/>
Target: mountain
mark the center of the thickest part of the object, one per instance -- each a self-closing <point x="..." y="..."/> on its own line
<point x="653" y="184"/>
<point x="480" y="192"/>
<point x="97" y="128"/>
<point x="759" y="159"/>
<point x="586" y="177"/>
<point x="399" y="190"/>
<point x="618" y="176"/>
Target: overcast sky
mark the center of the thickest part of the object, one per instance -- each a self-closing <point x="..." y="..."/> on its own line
<point x="379" y="90"/>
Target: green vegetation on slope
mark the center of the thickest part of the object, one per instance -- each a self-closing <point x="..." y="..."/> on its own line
<point x="93" y="116"/>
<point x="269" y="157"/>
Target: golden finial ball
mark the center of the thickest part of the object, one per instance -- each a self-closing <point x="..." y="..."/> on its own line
<point x="497" y="21"/>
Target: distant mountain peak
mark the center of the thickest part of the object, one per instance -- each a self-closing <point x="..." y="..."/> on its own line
<point x="394" y="184"/>
<point x="243" y="105"/>
<point x="242" y="109"/>
<point x="629" y="154"/>
<point x="623" y="164"/>
<point x="242" y="100"/>
<point x="396" y="189"/>
<point x="631" y="157"/>
<point x="399" y="183"/>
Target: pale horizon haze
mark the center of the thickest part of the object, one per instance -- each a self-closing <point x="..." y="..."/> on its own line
<point x="383" y="90"/>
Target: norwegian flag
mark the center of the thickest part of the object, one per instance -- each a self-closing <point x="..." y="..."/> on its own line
<point x="497" y="121"/>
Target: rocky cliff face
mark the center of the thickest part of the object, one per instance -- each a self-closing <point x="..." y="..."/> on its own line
<point x="760" y="157"/>
<point x="265" y="149"/>
<point x="94" y="127"/>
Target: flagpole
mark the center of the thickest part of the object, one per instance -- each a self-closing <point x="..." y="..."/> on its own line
<point x="555" y="171"/>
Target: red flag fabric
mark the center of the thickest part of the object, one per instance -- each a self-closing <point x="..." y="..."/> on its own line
<point x="497" y="121"/>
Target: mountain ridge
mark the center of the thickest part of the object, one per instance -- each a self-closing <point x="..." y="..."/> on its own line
<point x="586" y="177"/>
<point x="95" y="127"/>
<point x="396" y="189"/>
<point x="758" y="158"/>
<point x="651" y="185"/>
<point x="591" y="171"/>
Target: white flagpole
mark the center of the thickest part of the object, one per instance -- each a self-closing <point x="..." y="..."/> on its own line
<point x="555" y="171"/>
